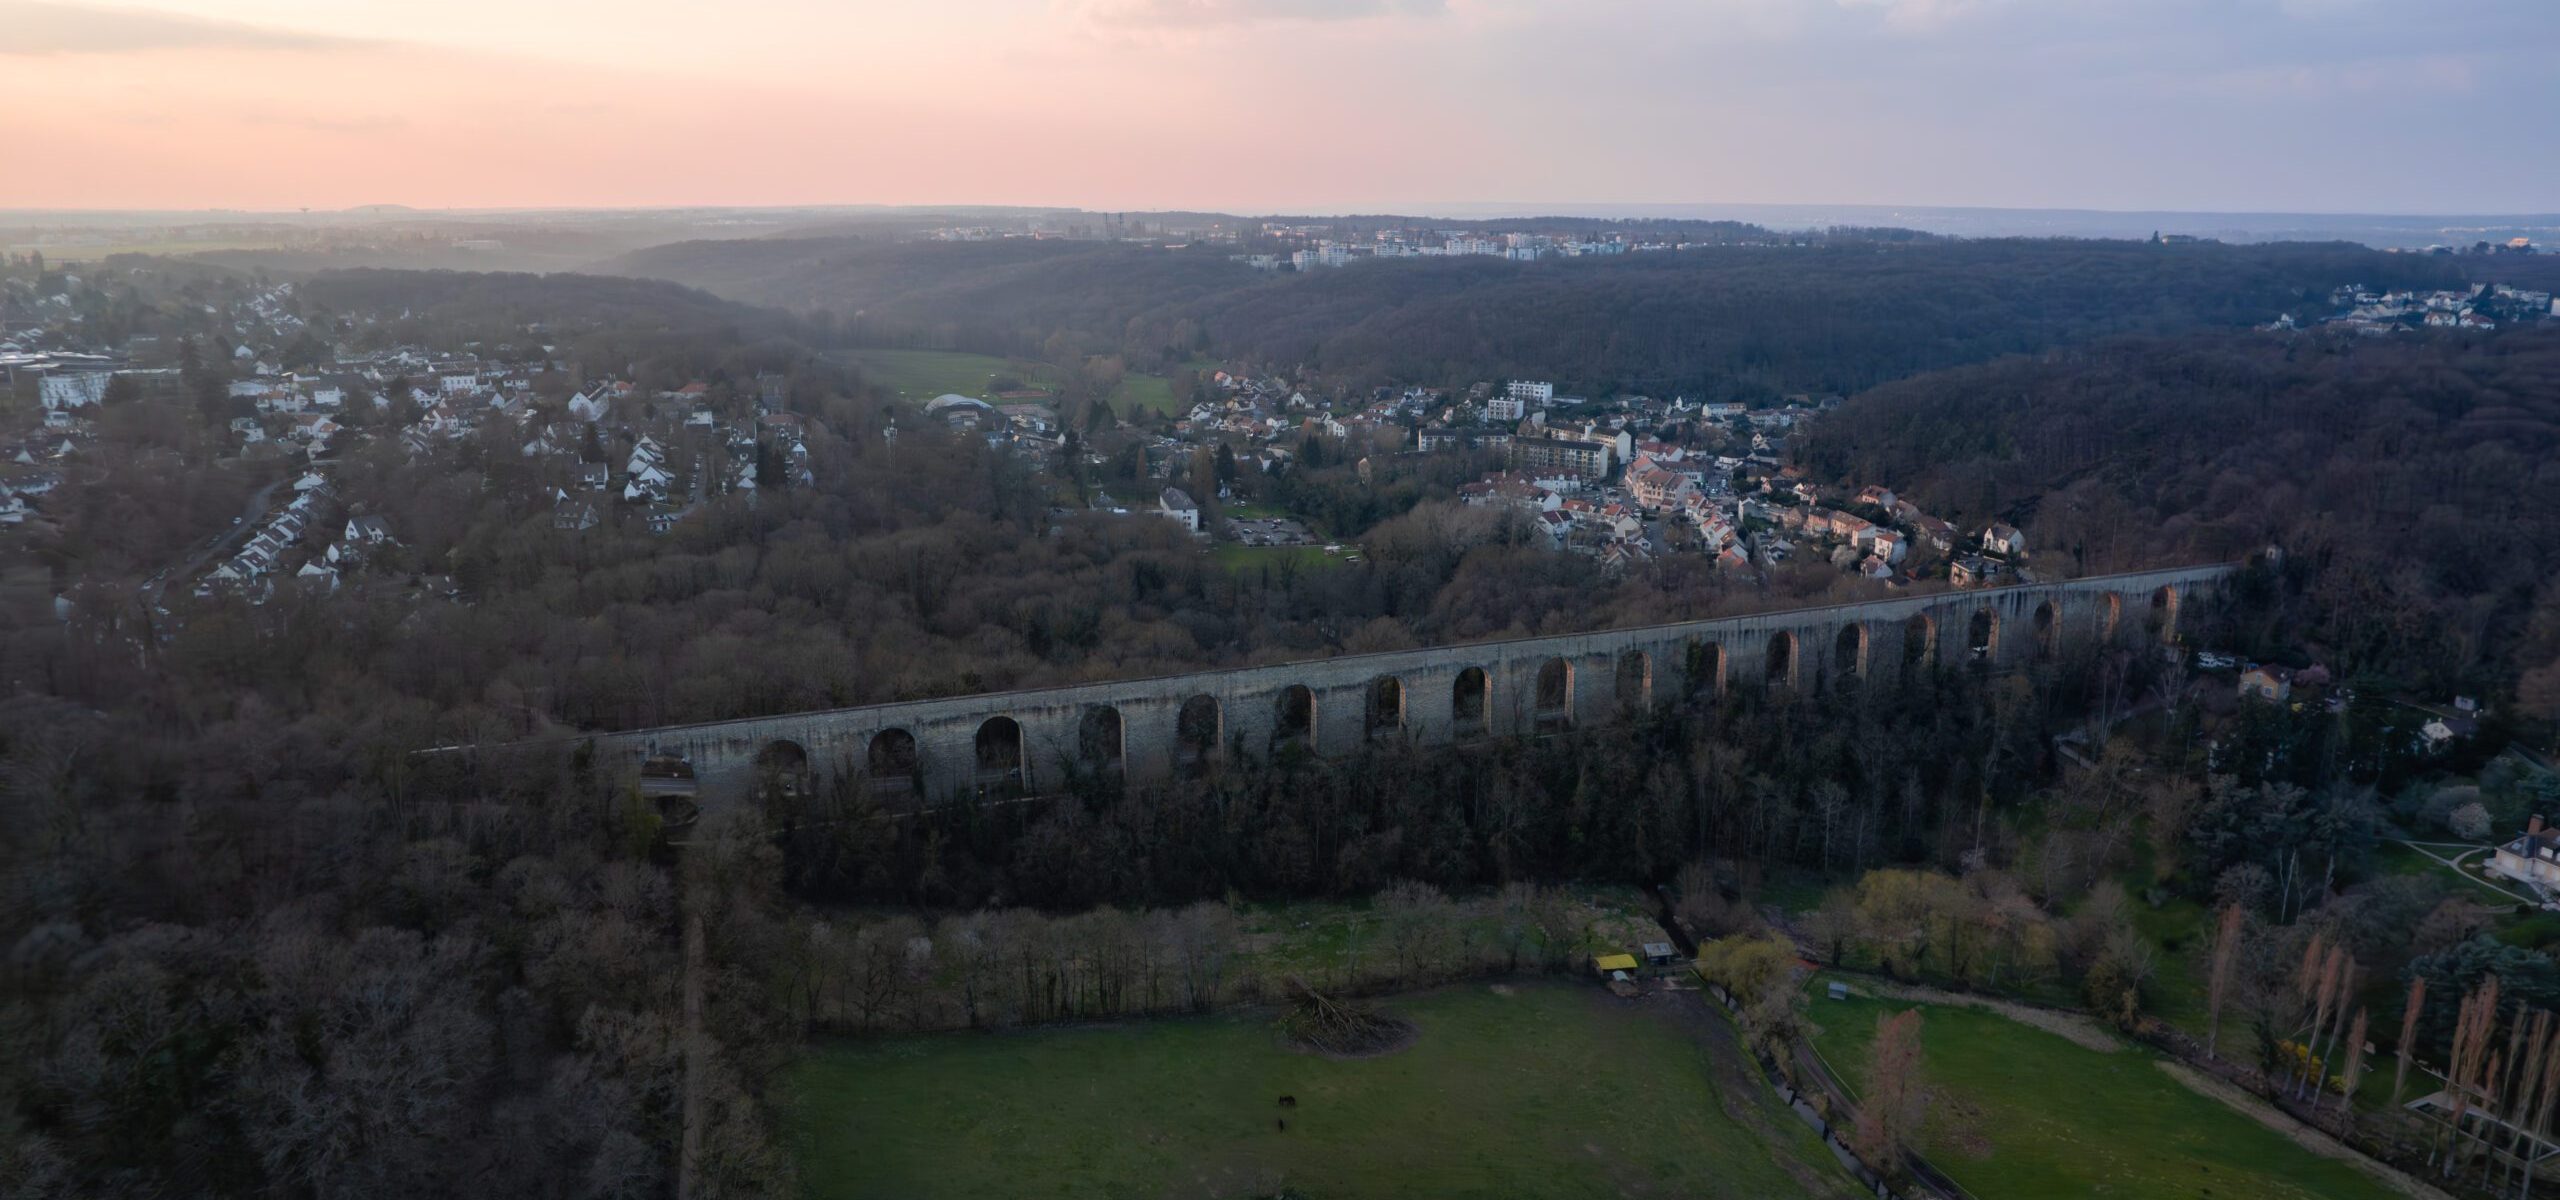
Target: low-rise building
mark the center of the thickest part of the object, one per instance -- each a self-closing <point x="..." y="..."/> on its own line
<point x="2533" y="858"/>
<point x="1178" y="505"/>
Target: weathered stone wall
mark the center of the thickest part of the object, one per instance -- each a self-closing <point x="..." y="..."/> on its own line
<point x="1821" y="646"/>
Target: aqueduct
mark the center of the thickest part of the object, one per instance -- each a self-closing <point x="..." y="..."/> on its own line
<point x="1012" y="742"/>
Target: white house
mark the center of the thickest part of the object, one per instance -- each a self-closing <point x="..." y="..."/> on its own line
<point x="59" y="393"/>
<point x="1177" y="504"/>
<point x="2533" y="858"/>
<point x="2004" y="540"/>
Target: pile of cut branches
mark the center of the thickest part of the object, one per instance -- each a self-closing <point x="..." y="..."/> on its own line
<point x="1320" y="1022"/>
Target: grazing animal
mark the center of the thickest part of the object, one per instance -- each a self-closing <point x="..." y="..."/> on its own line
<point x="1288" y="1102"/>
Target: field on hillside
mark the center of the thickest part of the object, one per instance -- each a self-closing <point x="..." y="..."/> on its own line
<point x="921" y="375"/>
<point x="2015" y="1111"/>
<point x="1524" y="1090"/>
<point x="1237" y="557"/>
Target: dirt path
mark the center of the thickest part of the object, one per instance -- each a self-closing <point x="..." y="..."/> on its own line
<point x="2302" y="1135"/>
<point x="2075" y="1028"/>
<point x="1742" y="1092"/>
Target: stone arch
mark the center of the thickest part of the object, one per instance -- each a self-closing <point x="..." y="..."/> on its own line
<point x="1470" y="702"/>
<point x="1919" y="642"/>
<point x="999" y="755"/>
<point x="1982" y="636"/>
<point x="2048" y="628"/>
<point x="892" y="763"/>
<point x="784" y="766"/>
<point x="1198" y="730"/>
<point x="1554" y="696"/>
<point x="1101" y="738"/>
<point x="1382" y="714"/>
<point x="2111" y="618"/>
<point x="1635" y="680"/>
<point x="2164" y="612"/>
<point x="1704" y="665"/>
<point x="1849" y="651"/>
<point x="1293" y="717"/>
<point x="1778" y="664"/>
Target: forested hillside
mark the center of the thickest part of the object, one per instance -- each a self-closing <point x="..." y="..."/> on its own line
<point x="1719" y="321"/>
<point x="2411" y="481"/>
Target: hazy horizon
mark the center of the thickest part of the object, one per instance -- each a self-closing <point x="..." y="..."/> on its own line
<point x="2322" y="107"/>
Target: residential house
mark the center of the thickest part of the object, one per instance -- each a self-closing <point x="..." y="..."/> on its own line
<point x="2267" y="682"/>
<point x="1177" y="504"/>
<point x="1971" y="572"/>
<point x="1658" y="488"/>
<point x="2533" y="858"/>
<point x="2005" y="541"/>
<point x="2441" y="732"/>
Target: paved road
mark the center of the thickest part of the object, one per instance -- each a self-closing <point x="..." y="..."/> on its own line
<point x="252" y="513"/>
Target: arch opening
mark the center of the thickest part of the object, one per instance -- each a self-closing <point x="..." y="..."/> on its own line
<point x="1982" y="637"/>
<point x="2164" y="612"/>
<point x="2048" y="626"/>
<point x="1100" y="738"/>
<point x="1919" y="642"/>
<point x="1293" y="717"/>
<point x="1470" y="699"/>
<point x="783" y="766"/>
<point x="893" y="765"/>
<point x="1554" y="695"/>
<point x="1778" y="667"/>
<point x="1849" y="651"/>
<point x="1635" y="680"/>
<point x="2111" y="618"/>
<point x="1383" y="713"/>
<point x="1704" y="666"/>
<point x="999" y="747"/>
<point x="1197" y="731"/>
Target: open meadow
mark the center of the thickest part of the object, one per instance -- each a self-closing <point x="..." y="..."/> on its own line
<point x="921" y="375"/>
<point x="1533" y="1089"/>
<point x="2015" y="1111"/>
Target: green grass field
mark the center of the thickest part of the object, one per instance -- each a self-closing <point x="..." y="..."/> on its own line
<point x="2018" y="1112"/>
<point x="2393" y="857"/>
<point x="921" y="375"/>
<point x="1552" y="1089"/>
<point x="1237" y="557"/>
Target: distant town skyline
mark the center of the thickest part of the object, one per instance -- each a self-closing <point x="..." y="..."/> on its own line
<point x="1253" y="106"/>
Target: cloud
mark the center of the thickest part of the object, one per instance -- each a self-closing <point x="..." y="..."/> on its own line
<point x="1213" y="14"/>
<point x="1919" y="16"/>
<point x="2438" y="74"/>
<point x="38" y="27"/>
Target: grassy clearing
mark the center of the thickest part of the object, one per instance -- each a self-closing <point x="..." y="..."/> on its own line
<point x="921" y="375"/>
<point x="1339" y="944"/>
<point x="1535" y="1089"/>
<point x="1143" y="393"/>
<point x="2400" y="858"/>
<point x="1236" y="557"/>
<point x="2016" y="1111"/>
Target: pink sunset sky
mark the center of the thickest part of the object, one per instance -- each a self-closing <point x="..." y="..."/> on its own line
<point x="1272" y="105"/>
